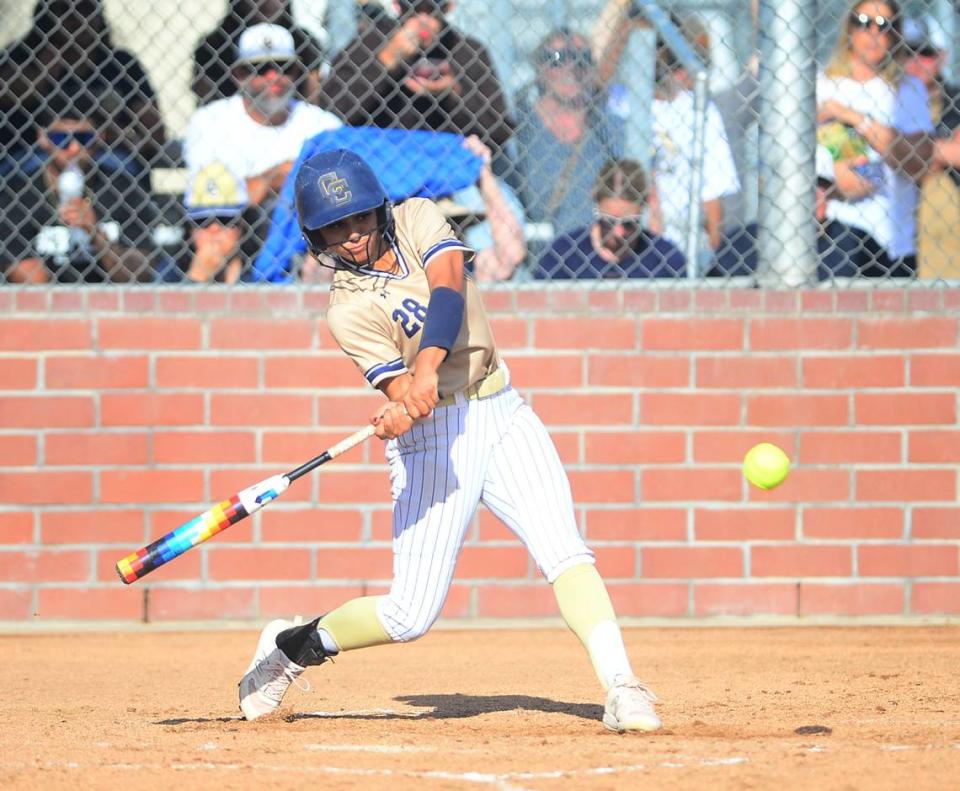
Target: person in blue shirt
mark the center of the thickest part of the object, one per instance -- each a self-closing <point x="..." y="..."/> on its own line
<point x="616" y="244"/>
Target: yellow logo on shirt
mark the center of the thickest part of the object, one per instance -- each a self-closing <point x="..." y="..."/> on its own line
<point x="335" y="188"/>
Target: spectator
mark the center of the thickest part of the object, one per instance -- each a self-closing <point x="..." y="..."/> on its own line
<point x="875" y="123"/>
<point x="72" y="221"/>
<point x="258" y="132"/>
<point x="564" y="133"/>
<point x="673" y="127"/>
<point x="939" y="213"/>
<point x="215" y="204"/>
<point x="69" y="49"/>
<point x="216" y="55"/>
<point x="616" y="244"/>
<point x="419" y="72"/>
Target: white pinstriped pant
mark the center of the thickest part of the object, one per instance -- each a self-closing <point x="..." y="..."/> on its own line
<point x="493" y="450"/>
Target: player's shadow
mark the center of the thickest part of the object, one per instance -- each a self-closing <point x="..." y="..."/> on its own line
<point x="457" y="706"/>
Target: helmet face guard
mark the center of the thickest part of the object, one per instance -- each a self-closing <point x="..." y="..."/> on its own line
<point x="331" y="186"/>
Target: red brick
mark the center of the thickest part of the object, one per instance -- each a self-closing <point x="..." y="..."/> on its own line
<point x="685" y="483"/>
<point x="616" y="562"/>
<point x="567" y="444"/>
<point x="93" y="527"/>
<point x="905" y="408"/>
<point x="46" y="411"/>
<point x="15" y="605"/>
<point x="935" y="598"/>
<point x="798" y="410"/>
<point x="636" y="524"/>
<point x="18" y="373"/>
<point x="161" y="334"/>
<point x="780" y="301"/>
<point x="932" y="447"/>
<point x="585" y="333"/>
<point x="99" y="301"/>
<point x="711" y="300"/>
<point x="851" y="447"/>
<point x="691" y="334"/>
<point x="534" y="600"/>
<point x="852" y="301"/>
<point x="806" y="485"/>
<point x="935" y="370"/>
<point x="210" y="603"/>
<point x="45" y="566"/>
<point x="749" y="300"/>
<point x="499" y="300"/>
<point x="604" y="302"/>
<point x="754" y="599"/>
<point x="851" y="599"/>
<point x="511" y="333"/>
<point x="493" y="562"/>
<point x="691" y="562"/>
<point x="804" y="333"/>
<point x="313" y="525"/>
<point x="563" y="300"/>
<point x="176" y="302"/>
<point x="40" y="488"/>
<point x="260" y="410"/>
<point x="638" y="370"/>
<point x="151" y="409"/>
<point x="645" y="600"/>
<point x="204" y="447"/>
<point x="115" y="602"/>
<point x="18" y="450"/>
<point x="365" y="487"/>
<point x="741" y="373"/>
<point x="151" y="486"/>
<point x="906" y="485"/>
<point x="295" y="447"/>
<point x="935" y="523"/>
<point x="908" y="560"/>
<point x="675" y="301"/>
<point x="849" y="372"/>
<point x="96" y="372"/>
<point x="355" y="564"/>
<point x="44" y="335"/>
<point x="66" y="301"/>
<point x="16" y="527"/>
<point x="926" y="301"/>
<point x="547" y="370"/>
<point x="287" y="600"/>
<point x="801" y="561"/>
<point x="315" y="371"/>
<point x="744" y="524"/>
<point x="906" y="333"/>
<point x="257" y="564"/>
<point x="732" y="445"/>
<point x="690" y="409"/>
<point x="349" y="411"/>
<point x="585" y="409"/>
<point x="854" y="523"/>
<point x="602" y="486"/>
<point x="208" y="371"/>
<point x="817" y="301"/>
<point x="99" y="448"/>
<point x="635" y="447"/>
<point x="267" y="334"/>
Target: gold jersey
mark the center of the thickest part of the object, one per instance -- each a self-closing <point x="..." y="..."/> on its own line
<point x="377" y="317"/>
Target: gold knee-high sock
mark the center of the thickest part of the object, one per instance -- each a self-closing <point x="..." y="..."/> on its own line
<point x="585" y="606"/>
<point x="355" y="624"/>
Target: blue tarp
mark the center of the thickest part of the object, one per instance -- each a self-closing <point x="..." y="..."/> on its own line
<point x="408" y="163"/>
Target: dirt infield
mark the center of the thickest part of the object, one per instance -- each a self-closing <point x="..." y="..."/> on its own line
<point x="501" y="709"/>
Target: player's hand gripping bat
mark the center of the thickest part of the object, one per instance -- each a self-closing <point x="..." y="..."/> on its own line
<point x="221" y="516"/>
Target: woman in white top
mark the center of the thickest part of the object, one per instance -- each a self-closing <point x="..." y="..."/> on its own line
<point x="875" y="124"/>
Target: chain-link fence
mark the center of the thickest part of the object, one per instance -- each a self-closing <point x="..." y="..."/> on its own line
<point x="145" y="142"/>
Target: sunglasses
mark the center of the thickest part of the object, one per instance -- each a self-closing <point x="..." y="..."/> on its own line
<point x="631" y="223"/>
<point x="226" y="220"/>
<point x="880" y="23"/>
<point x="63" y="139"/>
<point x="566" y="56"/>
<point x="287" y="68"/>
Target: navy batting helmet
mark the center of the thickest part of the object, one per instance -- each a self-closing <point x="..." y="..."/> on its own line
<point x="334" y="185"/>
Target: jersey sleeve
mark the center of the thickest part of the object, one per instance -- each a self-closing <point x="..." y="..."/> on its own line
<point x="366" y="342"/>
<point x="430" y="232"/>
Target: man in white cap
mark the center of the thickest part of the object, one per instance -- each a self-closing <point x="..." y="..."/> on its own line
<point x="939" y="209"/>
<point x="259" y="131"/>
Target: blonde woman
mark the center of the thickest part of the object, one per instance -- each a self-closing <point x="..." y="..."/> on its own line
<point x="875" y="124"/>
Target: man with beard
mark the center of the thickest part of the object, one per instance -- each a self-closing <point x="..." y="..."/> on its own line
<point x="258" y="132"/>
<point x="616" y="244"/>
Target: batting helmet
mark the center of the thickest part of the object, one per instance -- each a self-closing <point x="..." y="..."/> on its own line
<point x="333" y="185"/>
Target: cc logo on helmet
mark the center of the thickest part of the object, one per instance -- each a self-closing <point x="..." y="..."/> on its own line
<point x="335" y="188"/>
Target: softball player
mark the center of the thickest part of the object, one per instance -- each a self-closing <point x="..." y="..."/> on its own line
<point x="457" y="434"/>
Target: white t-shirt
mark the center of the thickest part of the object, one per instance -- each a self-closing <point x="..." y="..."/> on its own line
<point x="223" y="131"/>
<point x="673" y="124"/>
<point x="889" y="214"/>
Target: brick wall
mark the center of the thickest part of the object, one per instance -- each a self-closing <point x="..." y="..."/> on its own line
<point x="124" y="413"/>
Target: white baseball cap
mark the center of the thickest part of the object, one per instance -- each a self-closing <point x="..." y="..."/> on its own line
<point x="924" y="33"/>
<point x="215" y="190"/>
<point x="266" y="42"/>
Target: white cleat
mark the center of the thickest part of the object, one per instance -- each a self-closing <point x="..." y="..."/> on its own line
<point x="270" y="674"/>
<point x="629" y="706"/>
